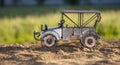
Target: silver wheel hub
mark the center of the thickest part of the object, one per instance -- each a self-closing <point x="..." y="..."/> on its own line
<point x="49" y="41"/>
<point x="90" y="41"/>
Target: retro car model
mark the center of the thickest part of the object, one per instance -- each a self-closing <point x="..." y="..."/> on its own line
<point x="78" y="29"/>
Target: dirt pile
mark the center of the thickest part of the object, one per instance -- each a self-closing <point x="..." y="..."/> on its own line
<point x="108" y="53"/>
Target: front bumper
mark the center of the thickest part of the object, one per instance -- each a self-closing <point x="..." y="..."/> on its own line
<point x="36" y="35"/>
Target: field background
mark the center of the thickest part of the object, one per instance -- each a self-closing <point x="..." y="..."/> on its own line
<point x="18" y="23"/>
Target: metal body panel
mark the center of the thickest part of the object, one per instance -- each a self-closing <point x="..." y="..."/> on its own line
<point x="68" y="32"/>
<point x="59" y="32"/>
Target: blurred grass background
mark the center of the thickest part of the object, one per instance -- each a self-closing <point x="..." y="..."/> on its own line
<point x="18" y="23"/>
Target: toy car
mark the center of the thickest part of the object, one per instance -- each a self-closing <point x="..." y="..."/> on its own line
<point x="80" y="29"/>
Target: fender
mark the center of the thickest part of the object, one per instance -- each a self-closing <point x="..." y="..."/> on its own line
<point x="88" y="31"/>
<point x="51" y="32"/>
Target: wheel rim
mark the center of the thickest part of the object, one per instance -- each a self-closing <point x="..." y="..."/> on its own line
<point x="49" y="41"/>
<point x="90" y="41"/>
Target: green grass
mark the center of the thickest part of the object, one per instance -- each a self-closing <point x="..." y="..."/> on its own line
<point x="18" y="23"/>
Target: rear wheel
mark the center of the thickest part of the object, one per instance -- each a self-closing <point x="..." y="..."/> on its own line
<point x="89" y="41"/>
<point x="49" y="40"/>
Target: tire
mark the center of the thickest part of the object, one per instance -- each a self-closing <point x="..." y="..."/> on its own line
<point x="49" y="40"/>
<point x="89" y="41"/>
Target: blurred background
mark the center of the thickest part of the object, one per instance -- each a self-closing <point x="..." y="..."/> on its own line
<point x="19" y="18"/>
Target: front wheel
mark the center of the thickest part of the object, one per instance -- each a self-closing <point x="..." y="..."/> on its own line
<point x="49" y="40"/>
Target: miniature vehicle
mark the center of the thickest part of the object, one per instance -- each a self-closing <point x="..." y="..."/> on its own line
<point x="79" y="31"/>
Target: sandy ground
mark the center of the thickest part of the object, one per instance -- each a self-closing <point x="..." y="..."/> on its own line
<point x="107" y="53"/>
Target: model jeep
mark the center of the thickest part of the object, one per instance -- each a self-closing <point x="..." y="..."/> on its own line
<point x="80" y="29"/>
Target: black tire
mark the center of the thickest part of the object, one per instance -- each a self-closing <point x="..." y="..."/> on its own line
<point x="49" y="40"/>
<point x="89" y="41"/>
